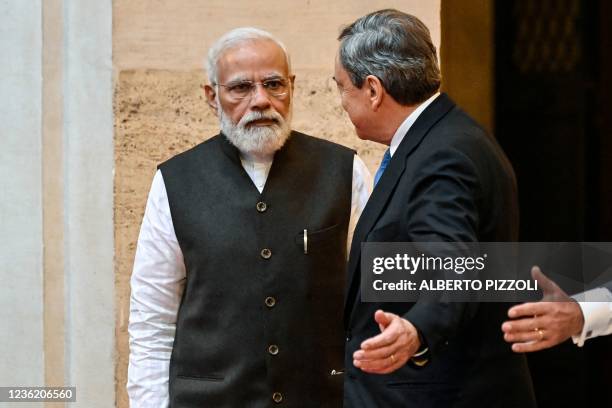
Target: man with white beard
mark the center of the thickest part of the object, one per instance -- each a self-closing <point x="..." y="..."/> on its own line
<point x="238" y="280"/>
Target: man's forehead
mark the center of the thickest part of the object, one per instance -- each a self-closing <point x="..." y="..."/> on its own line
<point x="261" y="58"/>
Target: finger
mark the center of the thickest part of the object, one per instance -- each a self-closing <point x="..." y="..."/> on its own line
<point x="383" y="319"/>
<point x="549" y="288"/>
<point x="384" y="339"/>
<point x="387" y="337"/>
<point x="398" y="362"/>
<point x="382" y="365"/>
<point x="373" y="354"/>
<point x="523" y="337"/>
<point x="370" y="365"/>
<point x="530" y="347"/>
<point x="523" y="325"/>
<point x="530" y="309"/>
<point x="506" y="326"/>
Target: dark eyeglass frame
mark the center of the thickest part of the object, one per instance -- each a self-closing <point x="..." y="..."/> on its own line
<point x="235" y="92"/>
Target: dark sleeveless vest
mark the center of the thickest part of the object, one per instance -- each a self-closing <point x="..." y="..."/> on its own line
<point x="260" y="321"/>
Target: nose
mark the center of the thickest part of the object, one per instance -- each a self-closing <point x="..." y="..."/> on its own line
<point x="260" y="99"/>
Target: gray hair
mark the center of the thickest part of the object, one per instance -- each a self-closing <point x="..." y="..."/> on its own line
<point x="396" y="48"/>
<point x="234" y="38"/>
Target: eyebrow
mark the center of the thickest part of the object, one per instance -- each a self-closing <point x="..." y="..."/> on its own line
<point x="266" y="77"/>
<point x="239" y="78"/>
<point x="272" y="76"/>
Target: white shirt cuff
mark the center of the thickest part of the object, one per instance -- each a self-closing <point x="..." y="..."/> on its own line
<point x="596" y="305"/>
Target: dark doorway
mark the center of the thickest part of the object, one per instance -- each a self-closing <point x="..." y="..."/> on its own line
<point x="553" y="117"/>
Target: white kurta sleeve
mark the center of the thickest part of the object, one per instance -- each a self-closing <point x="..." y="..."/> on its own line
<point x="362" y="188"/>
<point x="157" y="284"/>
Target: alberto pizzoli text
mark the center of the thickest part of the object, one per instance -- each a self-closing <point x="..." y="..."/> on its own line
<point x="457" y="285"/>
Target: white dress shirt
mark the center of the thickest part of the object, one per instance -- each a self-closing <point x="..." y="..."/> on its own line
<point x="408" y="122"/>
<point x="596" y="305"/>
<point x="158" y="280"/>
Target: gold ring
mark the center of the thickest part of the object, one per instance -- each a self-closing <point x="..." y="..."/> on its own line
<point x="540" y="333"/>
<point x="393" y="358"/>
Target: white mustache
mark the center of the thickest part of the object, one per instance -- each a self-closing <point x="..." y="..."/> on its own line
<point x="257" y="115"/>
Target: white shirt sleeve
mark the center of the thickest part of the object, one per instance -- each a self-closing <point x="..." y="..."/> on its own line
<point x="362" y="188"/>
<point x="596" y="305"/>
<point x="157" y="284"/>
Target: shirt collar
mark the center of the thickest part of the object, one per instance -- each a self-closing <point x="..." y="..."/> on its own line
<point x="403" y="129"/>
<point x="256" y="160"/>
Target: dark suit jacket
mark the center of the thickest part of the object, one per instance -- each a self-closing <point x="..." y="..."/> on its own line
<point x="447" y="181"/>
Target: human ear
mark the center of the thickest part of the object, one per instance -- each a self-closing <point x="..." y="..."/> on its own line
<point x="211" y="100"/>
<point x="375" y="90"/>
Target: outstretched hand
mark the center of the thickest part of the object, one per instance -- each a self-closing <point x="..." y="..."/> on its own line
<point x="397" y="342"/>
<point x="540" y="325"/>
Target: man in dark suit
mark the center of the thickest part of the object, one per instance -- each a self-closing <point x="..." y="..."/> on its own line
<point x="441" y="180"/>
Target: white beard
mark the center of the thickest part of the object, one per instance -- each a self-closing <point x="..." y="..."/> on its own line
<point x="256" y="140"/>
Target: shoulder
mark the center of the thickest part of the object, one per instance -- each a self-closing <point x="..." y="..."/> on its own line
<point x="315" y="143"/>
<point x="457" y="127"/>
<point x="320" y="158"/>
<point x="458" y="133"/>
<point x="458" y="147"/>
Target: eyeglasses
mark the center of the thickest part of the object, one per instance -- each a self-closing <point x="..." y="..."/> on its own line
<point x="276" y="87"/>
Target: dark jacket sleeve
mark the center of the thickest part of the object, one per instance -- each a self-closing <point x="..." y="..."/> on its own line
<point x="443" y="207"/>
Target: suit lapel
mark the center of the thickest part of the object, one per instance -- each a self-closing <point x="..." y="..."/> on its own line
<point x="386" y="185"/>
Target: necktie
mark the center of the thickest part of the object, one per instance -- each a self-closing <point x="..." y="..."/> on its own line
<point x="383" y="165"/>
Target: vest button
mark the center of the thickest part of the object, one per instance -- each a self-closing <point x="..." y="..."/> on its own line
<point x="270" y="301"/>
<point x="277" y="397"/>
<point x="273" y="349"/>
<point x="261" y="206"/>
<point x="266" y="253"/>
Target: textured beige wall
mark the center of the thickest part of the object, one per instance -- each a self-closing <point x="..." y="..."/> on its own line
<point x="175" y="34"/>
<point x="158" y="49"/>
